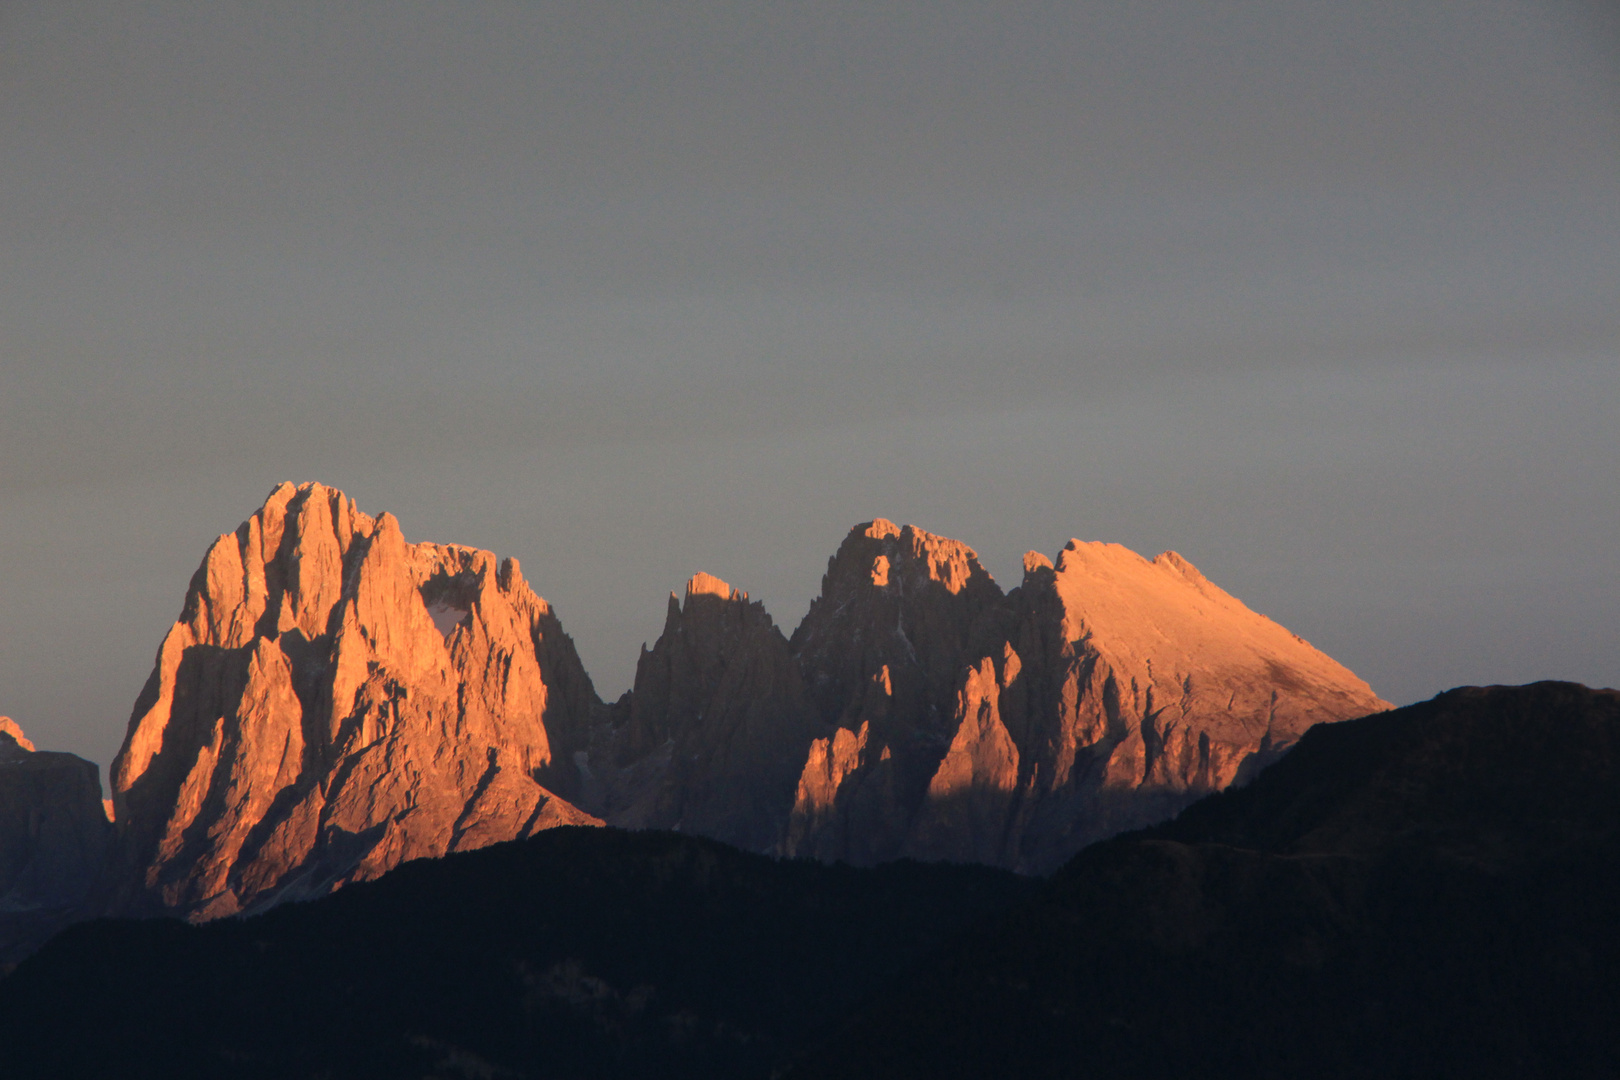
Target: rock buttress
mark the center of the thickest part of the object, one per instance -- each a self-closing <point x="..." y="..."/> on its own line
<point x="334" y="701"/>
<point x="1127" y="688"/>
<point x="717" y="726"/>
<point x="902" y="615"/>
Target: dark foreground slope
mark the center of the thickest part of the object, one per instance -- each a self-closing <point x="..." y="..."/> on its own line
<point x="1433" y="891"/>
<point x="579" y="952"/>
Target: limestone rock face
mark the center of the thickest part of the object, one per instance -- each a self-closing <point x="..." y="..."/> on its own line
<point x="901" y="615"/>
<point x="936" y="718"/>
<point x="334" y="701"/>
<point x="717" y="725"/>
<point x="54" y="841"/>
<point x="1125" y="690"/>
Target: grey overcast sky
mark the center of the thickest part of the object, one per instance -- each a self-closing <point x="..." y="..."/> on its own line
<point x="1325" y="296"/>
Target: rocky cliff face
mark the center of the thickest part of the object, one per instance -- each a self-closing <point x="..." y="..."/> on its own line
<point x="716" y="726"/>
<point x="334" y="701"/>
<point x="941" y="719"/>
<point x="54" y="841"/>
<point x="902" y="613"/>
<point x="1124" y="690"/>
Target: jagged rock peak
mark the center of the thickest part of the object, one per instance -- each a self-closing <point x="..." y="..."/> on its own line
<point x="901" y="615"/>
<point x="711" y="737"/>
<point x="702" y="584"/>
<point x="334" y="700"/>
<point x="899" y="598"/>
<point x="11" y="735"/>
<point x="907" y="552"/>
<point x="1103" y="694"/>
<point x="1034" y="563"/>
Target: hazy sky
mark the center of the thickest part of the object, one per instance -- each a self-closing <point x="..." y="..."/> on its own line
<point x="1325" y="296"/>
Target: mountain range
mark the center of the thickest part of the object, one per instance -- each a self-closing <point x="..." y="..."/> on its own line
<point x="371" y="819"/>
<point x="334" y="700"/>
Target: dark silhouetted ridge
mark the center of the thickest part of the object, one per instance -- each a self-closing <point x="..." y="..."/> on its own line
<point x="1434" y="891"/>
<point x="578" y="952"/>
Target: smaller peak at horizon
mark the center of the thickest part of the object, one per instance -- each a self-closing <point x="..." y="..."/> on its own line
<point x="1034" y="560"/>
<point x="297" y="487"/>
<point x="877" y="529"/>
<point x="884" y="529"/>
<point x="703" y="584"/>
<point x="9" y="728"/>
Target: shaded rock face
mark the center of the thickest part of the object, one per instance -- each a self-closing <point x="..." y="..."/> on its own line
<point x="54" y="841"/>
<point x="716" y="726"/>
<point x="902" y="614"/>
<point x="935" y="717"/>
<point x="334" y="701"/>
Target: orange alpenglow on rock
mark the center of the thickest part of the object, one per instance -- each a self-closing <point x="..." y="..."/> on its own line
<point x="9" y="730"/>
<point x="918" y="711"/>
<point x="1126" y="689"/>
<point x="902" y="616"/>
<point x="333" y="701"/>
